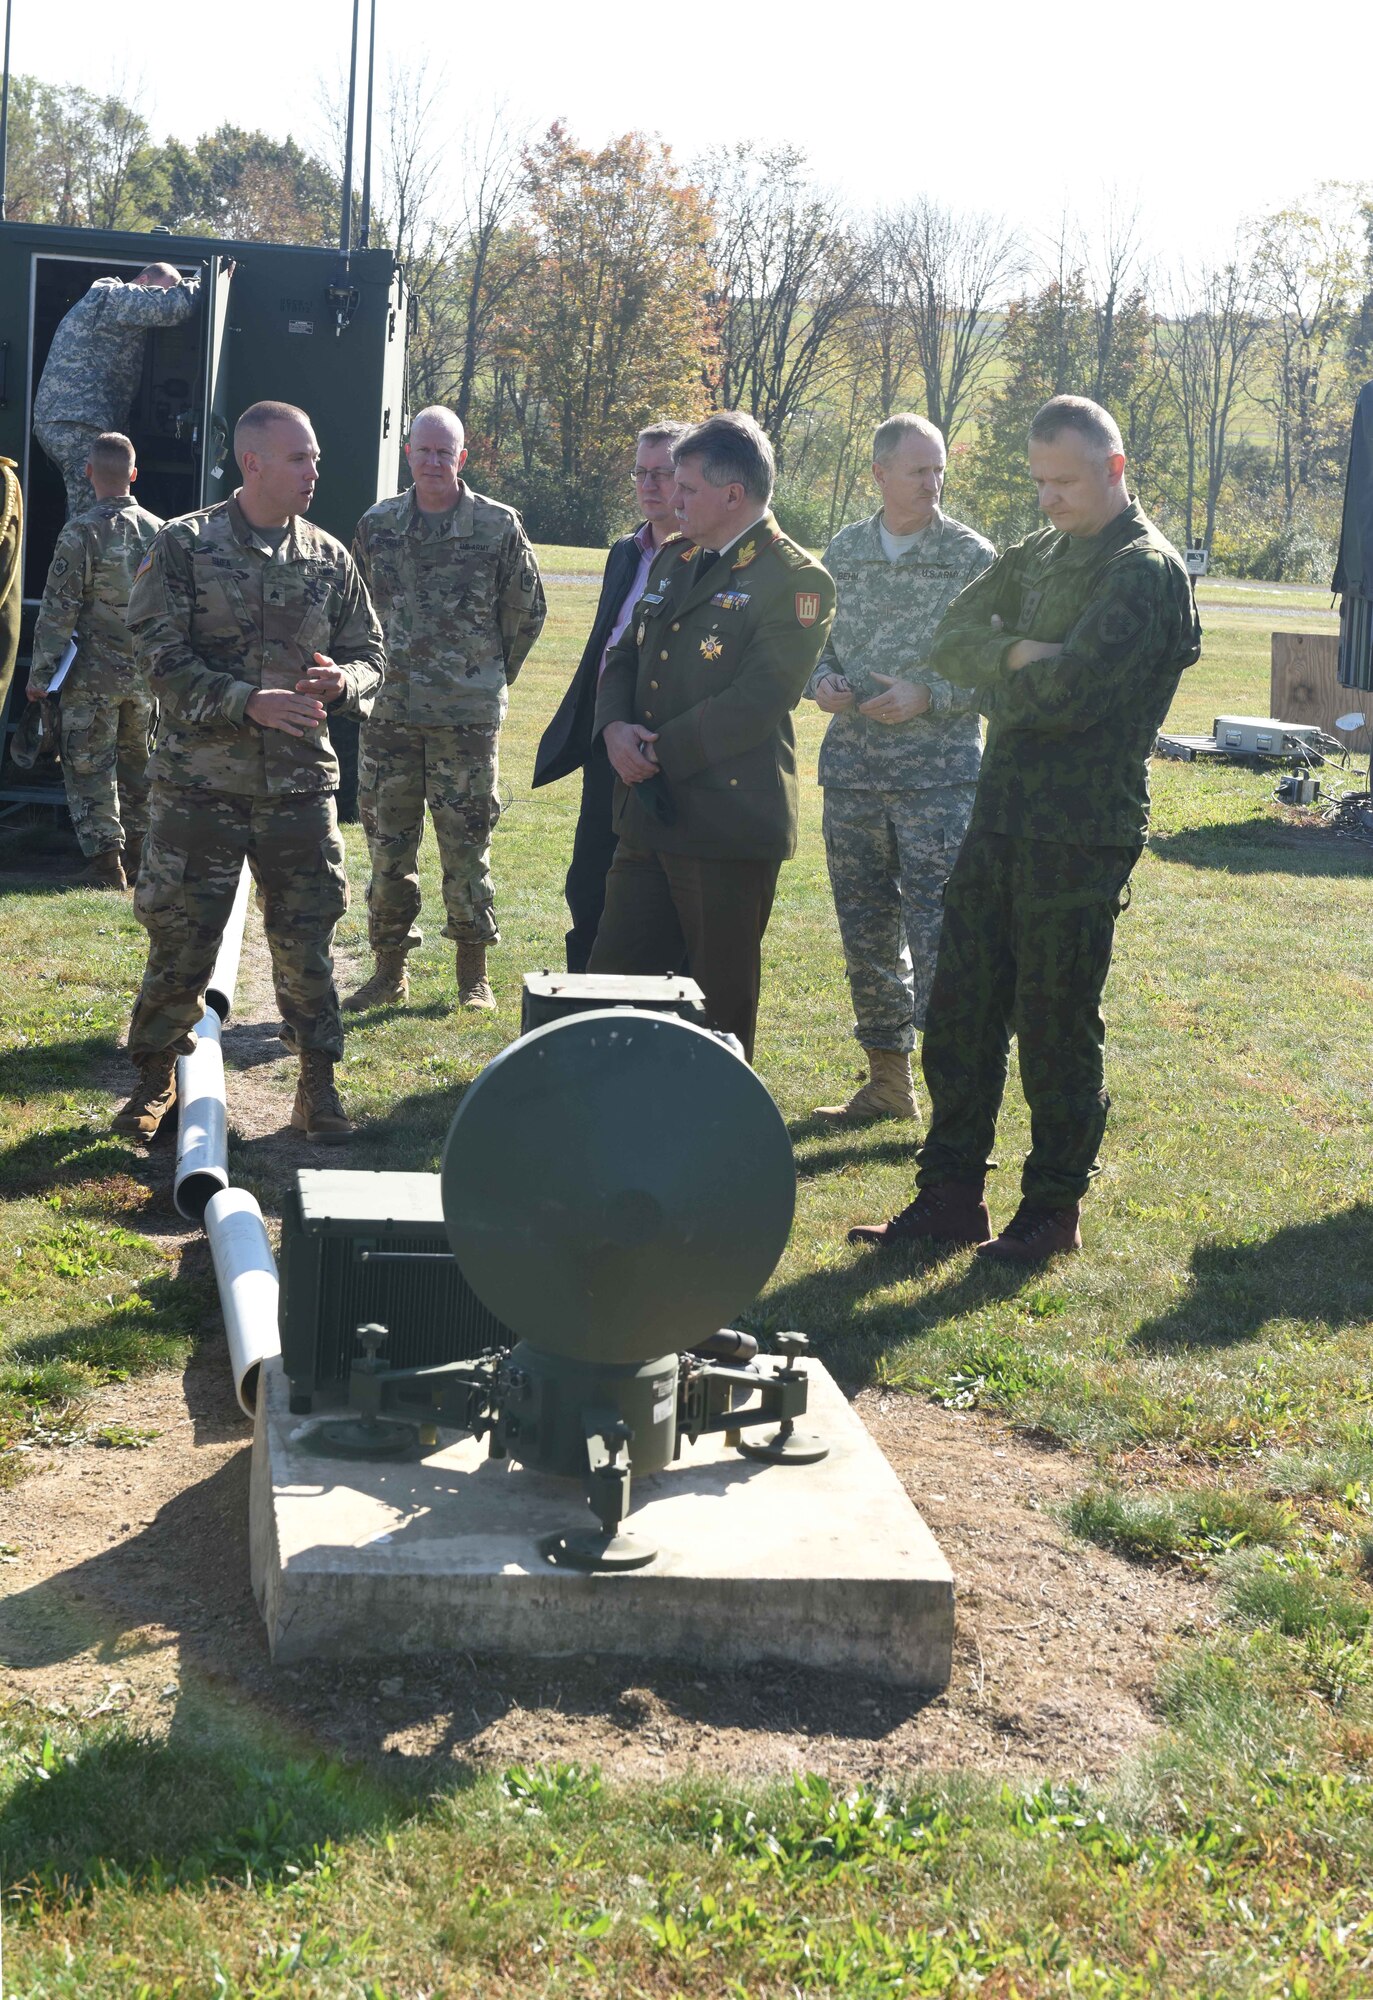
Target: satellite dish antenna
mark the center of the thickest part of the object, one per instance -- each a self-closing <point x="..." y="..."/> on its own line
<point x="1351" y="721"/>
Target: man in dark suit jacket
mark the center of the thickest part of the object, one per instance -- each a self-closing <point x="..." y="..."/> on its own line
<point x="695" y="709"/>
<point x="568" y="741"/>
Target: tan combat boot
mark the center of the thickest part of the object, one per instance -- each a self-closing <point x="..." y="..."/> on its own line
<point x="132" y="859"/>
<point x="474" y="988"/>
<point x="888" y="1092"/>
<point x="153" y="1099"/>
<point x="389" y="985"/>
<point x="106" y="869"/>
<point x="317" y="1111"/>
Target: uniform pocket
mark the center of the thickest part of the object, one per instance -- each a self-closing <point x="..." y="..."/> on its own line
<point x="159" y="901"/>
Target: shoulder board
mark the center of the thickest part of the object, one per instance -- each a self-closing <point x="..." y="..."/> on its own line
<point x="791" y="555"/>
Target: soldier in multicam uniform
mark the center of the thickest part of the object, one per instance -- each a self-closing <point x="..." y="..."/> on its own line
<point x="106" y="711"/>
<point x="94" y="363"/>
<point x="458" y="592"/>
<point x="1075" y="640"/>
<point x="250" y="624"/>
<point x="899" y="760"/>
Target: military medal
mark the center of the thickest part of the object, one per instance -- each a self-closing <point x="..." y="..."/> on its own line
<point x="712" y="646"/>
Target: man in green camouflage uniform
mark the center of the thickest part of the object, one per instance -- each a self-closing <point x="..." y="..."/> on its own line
<point x="106" y="713"/>
<point x="250" y="624"/>
<point x="899" y="760"/>
<point x="94" y="364"/>
<point x="457" y="589"/>
<point x="1075" y="640"/>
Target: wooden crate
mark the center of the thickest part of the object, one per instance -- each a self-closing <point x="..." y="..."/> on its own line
<point x="1304" y="687"/>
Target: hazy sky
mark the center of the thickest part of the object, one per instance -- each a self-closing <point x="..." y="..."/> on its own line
<point x="1199" y="115"/>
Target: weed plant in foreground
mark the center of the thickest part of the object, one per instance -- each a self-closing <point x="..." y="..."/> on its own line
<point x="1206" y="1361"/>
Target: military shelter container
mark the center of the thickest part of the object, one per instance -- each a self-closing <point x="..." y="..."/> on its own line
<point x="285" y="322"/>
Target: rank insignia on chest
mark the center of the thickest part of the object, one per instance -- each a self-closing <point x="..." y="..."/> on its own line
<point x="745" y="555"/>
<point x="712" y="646"/>
<point x="731" y="600"/>
<point x="807" y="606"/>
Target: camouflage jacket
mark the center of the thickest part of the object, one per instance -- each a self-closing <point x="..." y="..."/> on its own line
<point x="87" y="593"/>
<point x="460" y="608"/>
<point x="714" y="661"/>
<point x="1069" y="738"/>
<point x="884" y="623"/>
<point x="11" y="582"/>
<point x="216" y="614"/>
<point x="96" y="356"/>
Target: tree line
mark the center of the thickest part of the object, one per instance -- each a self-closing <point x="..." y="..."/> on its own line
<point x="566" y="294"/>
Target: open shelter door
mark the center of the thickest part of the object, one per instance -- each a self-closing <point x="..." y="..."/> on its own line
<point x="218" y="475"/>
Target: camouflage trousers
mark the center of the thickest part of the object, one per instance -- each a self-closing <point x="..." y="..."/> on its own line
<point x="1025" y="950"/>
<point x="454" y="771"/>
<point x="105" y="765"/>
<point x="889" y="856"/>
<point x="196" y="847"/>
<point x="69" y="448"/>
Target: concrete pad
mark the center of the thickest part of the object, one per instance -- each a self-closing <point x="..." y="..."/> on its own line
<point x="825" y="1565"/>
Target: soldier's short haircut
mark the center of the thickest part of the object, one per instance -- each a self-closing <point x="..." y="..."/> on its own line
<point x="666" y="431"/>
<point x="151" y="271"/>
<point x="439" y="413"/>
<point x="904" y="424"/>
<point x="1078" y="413"/>
<point x="731" y="447"/>
<point x="112" y="452"/>
<point x="257" y="419"/>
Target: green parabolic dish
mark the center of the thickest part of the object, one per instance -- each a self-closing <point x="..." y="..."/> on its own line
<point x="616" y="1185"/>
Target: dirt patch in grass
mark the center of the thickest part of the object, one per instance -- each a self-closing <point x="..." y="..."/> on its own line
<point x="129" y="1593"/>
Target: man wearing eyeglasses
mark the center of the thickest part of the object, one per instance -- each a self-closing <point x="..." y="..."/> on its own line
<point x="567" y="742"/>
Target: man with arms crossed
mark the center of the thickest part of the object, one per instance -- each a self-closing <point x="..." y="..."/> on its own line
<point x="695" y="707"/>
<point x="568" y="740"/>
<point x="1074" y="641"/>
<point x="458" y="593"/>
<point x="899" y="760"/>
<point x="250" y="625"/>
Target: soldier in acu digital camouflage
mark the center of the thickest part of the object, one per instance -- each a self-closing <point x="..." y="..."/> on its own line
<point x="458" y="592"/>
<point x="94" y="363"/>
<point x="106" y="711"/>
<point x="900" y="757"/>
<point x="250" y="625"/>
<point x="1074" y="641"/>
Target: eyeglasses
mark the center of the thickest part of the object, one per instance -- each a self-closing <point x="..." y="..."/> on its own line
<point x="653" y="475"/>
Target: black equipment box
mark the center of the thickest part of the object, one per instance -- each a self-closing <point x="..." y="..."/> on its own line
<point x="361" y="1247"/>
<point x="548" y="996"/>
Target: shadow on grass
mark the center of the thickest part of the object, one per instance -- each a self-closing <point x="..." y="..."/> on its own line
<point x="852" y="1333"/>
<point x="1310" y="1271"/>
<point x="40" y="1066"/>
<point x="1262" y="846"/>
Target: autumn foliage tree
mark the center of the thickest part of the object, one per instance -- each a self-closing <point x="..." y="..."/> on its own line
<point x="612" y="320"/>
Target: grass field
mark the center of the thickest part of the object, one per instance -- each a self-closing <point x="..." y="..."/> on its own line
<point x="1205" y="1362"/>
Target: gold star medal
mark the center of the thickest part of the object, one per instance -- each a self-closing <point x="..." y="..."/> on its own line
<point x="712" y="646"/>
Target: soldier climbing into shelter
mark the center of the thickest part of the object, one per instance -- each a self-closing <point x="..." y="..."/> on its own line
<point x="457" y="590"/>
<point x="899" y="760"/>
<point x="106" y="711"/>
<point x="1074" y="640"/>
<point x="94" y="363"/>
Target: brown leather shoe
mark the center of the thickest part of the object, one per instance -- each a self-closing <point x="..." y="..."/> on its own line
<point x="474" y="988"/>
<point x="144" y="1112"/>
<point x="954" y="1212"/>
<point x="1034" y="1234"/>
<point x="317" y="1111"/>
<point x="106" y="869"/>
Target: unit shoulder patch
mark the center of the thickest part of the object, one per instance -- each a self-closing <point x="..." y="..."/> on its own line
<point x="807" y="606"/>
